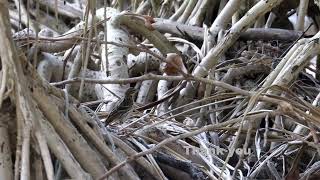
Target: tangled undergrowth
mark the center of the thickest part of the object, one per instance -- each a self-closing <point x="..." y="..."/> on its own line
<point x="148" y="89"/>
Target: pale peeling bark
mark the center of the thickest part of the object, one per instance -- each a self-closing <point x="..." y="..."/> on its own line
<point x="144" y="62"/>
<point x="198" y="17"/>
<point x="147" y="91"/>
<point x="142" y="9"/>
<point x="195" y="10"/>
<point x="224" y="17"/>
<point x="163" y="87"/>
<point x="179" y="12"/>
<point x="117" y="57"/>
<point x="187" y="12"/>
<point x="303" y="8"/>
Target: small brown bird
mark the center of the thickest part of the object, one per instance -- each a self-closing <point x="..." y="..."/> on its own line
<point x="124" y="108"/>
